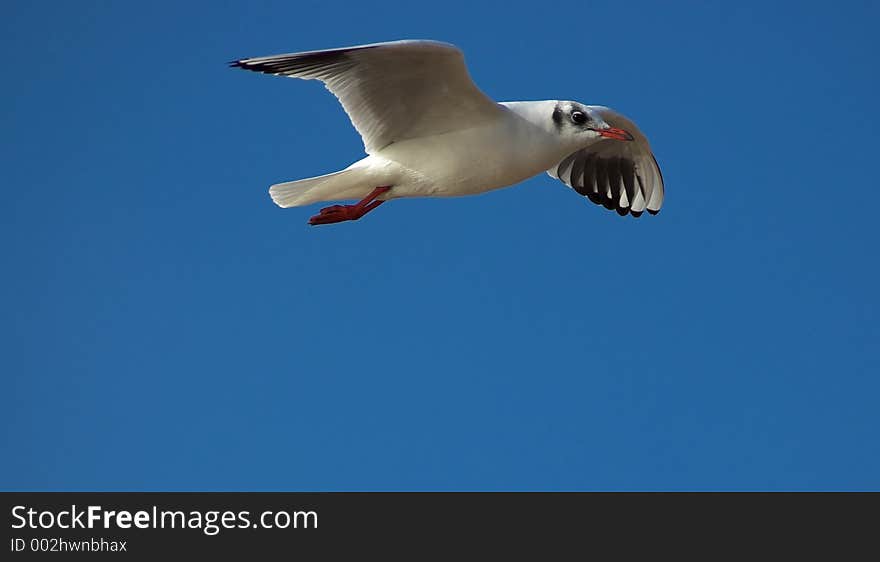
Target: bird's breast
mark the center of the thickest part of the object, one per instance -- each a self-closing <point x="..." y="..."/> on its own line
<point x="472" y="160"/>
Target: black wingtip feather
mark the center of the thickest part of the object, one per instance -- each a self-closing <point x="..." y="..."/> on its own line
<point x="602" y="175"/>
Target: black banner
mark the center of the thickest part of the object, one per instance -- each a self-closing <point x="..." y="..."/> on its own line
<point x="418" y="524"/>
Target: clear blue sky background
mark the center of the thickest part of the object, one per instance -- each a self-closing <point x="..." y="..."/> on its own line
<point x="168" y="328"/>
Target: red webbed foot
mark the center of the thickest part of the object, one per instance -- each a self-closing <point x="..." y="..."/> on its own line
<point x="341" y="213"/>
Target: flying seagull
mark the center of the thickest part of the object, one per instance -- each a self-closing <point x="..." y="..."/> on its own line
<point x="428" y="131"/>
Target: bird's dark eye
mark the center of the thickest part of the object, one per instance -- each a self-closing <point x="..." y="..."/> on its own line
<point x="578" y="117"/>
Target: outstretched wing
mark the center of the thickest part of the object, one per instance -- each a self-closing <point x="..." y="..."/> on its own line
<point x="622" y="176"/>
<point x="391" y="91"/>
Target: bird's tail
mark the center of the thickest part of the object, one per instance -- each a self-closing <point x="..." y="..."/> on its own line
<point x="347" y="184"/>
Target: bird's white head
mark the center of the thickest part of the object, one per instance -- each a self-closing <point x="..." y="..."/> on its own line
<point x="576" y="125"/>
<point x="578" y="121"/>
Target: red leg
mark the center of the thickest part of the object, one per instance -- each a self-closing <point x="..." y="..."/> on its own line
<point x="340" y="213"/>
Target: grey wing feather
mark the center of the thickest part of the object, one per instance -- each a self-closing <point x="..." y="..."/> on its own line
<point x="621" y="176"/>
<point x="391" y="91"/>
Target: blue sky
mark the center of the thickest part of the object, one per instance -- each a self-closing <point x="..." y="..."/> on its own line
<point x="168" y="328"/>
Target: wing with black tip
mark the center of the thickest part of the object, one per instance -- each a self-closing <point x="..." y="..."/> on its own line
<point x="620" y="175"/>
<point x="391" y="91"/>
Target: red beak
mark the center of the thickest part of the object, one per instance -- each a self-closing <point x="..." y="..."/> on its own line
<point x="616" y="134"/>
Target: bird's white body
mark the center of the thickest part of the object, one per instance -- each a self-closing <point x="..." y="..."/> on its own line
<point x="429" y="132"/>
<point x="445" y="165"/>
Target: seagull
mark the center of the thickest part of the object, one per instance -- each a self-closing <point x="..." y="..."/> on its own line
<point x="428" y="131"/>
